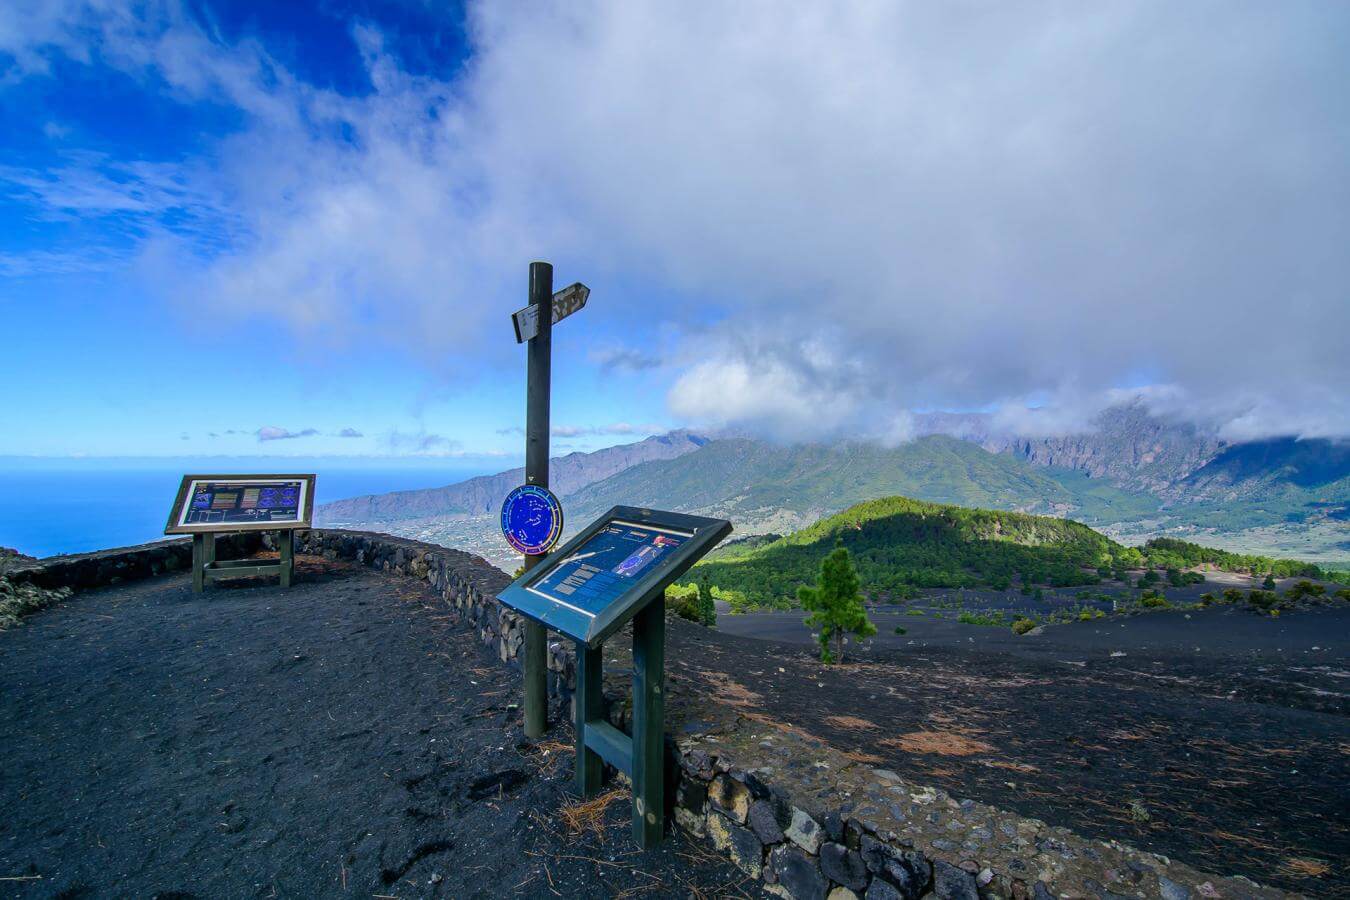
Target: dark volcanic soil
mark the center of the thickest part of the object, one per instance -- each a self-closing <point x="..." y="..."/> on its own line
<point x="341" y="737"/>
<point x="1218" y="737"/>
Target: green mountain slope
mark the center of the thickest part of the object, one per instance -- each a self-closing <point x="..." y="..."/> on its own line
<point x="763" y="486"/>
<point x="900" y="544"/>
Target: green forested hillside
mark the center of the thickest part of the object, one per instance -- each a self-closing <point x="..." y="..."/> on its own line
<point x="900" y="545"/>
<point x="1169" y="553"/>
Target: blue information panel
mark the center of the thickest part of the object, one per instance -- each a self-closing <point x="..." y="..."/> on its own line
<point x="532" y="519"/>
<point x="598" y="580"/>
<point x="606" y="566"/>
<point x="241" y="502"/>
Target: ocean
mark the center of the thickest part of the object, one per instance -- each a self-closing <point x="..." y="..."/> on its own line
<point x="50" y="506"/>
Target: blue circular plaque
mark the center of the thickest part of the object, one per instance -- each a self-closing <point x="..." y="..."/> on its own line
<point x="532" y="519"/>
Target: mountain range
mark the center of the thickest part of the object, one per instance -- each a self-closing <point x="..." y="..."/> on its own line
<point x="1132" y="474"/>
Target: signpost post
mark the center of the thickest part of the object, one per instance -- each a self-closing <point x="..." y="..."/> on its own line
<point x="534" y="325"/>
<point x="615" y="571"/>
<point x="208" y="505"/>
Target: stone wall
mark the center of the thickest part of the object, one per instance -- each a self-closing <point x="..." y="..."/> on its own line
<point x="803" y="818"/>
<point x="83" y="571"/>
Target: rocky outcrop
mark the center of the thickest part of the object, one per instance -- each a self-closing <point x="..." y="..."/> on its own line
<point x="10" y="558"/>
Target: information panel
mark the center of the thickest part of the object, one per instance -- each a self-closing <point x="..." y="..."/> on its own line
<point x="241" y="503"/>
<point x="602" y="577"/>
<point x="604" y="567"/>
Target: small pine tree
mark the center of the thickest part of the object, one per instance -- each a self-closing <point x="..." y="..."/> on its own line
<point x="836" y="605"/>
<point x="1269" y="583"/>
<point x="707" y="606"/>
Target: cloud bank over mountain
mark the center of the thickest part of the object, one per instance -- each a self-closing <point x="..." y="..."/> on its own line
<point x="825" y="216"/>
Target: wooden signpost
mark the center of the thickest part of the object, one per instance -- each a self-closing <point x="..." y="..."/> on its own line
<point x="208" y="505"/>
<point x="534" y="327"/>
<point x="614" y="572"/>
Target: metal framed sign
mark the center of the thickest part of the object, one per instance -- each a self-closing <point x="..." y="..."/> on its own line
<point x="615" y="571"/>
<point x="216" y="503"/>
<point x="601" y="578"/>
<point x="532" y="519"/>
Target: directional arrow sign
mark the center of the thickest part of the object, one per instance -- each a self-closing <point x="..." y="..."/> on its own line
<point x="565" y="302"/>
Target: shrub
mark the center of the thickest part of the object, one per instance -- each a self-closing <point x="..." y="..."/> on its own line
<point x="1269" y="583"/>
<point x="915" y="612"/>
<point x="683" y="601"/>
<point x="1153" y="600"/>
<point x="900" y="629"/>
<point x="970" y="618"/>
<point x="1264" y="601"/>
<point x="1208" y="599"/>
<point x="1305" y="589"/>
<point x="1023" y="625"/>
<point x="1232" y="595"/>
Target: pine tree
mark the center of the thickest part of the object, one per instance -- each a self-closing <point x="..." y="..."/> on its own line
<point x="707" y="606"/>
<point x="836" y="605"/>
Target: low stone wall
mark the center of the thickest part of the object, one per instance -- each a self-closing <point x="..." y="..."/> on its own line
<point x="82" y="571"/>
<point x="805" y="819"/>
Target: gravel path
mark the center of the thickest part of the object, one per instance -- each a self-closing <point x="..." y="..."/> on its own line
<point x="343" y="737"/>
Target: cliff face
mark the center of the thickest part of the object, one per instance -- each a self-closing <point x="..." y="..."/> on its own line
<point x="1130" y="447"/>
<point x="10" y="557"/>
<point x="484" y="495"/>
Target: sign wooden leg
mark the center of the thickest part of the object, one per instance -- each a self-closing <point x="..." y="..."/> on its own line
<point x="286" y="552"/>
<point x="589" y="702"/>
<point x="536" y="679"/>
<point x="198" y="563"/>
<point x="649" y="705"/>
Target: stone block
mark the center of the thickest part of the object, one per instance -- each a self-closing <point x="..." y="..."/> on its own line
<point x="731" y="797"/>
<point x="880" y="889"/>
<point x="906" y="870"/>
<point x="764" y="822"/>
<point x="739" y="843"/>
<point x="951" y="883"/>
<point x="804" y="831"/>
<point x="797" y="873"/>
<point x="841" y="893"/>
<point x="843" y="866"/>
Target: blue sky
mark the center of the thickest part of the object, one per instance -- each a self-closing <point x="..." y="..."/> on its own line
<point x="113" y="364"/>
<point x="300" y="228"/>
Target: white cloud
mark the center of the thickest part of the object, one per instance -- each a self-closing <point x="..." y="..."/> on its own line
<point x="860" y="209"/>
<point x="423" y="443"/>
<point x="275" y="433"/>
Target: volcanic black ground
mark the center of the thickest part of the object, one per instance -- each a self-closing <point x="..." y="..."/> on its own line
<point x="1215" y="736"/>
<point x="342" y="737"/>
